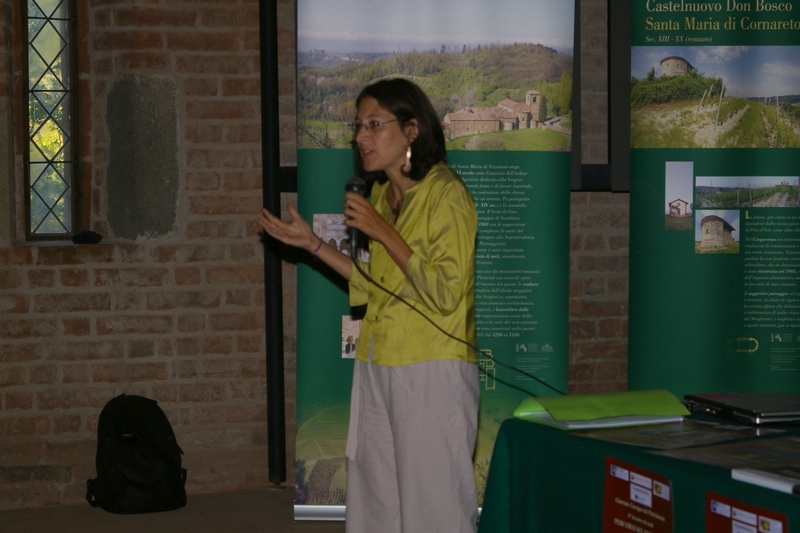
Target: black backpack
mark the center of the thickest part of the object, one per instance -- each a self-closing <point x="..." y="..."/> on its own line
<point x="138" y="460"/>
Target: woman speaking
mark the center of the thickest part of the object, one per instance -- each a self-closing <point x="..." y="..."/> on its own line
<point x="414" y="401"/>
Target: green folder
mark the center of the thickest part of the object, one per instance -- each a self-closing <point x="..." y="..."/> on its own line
<point x="610" y="409"/>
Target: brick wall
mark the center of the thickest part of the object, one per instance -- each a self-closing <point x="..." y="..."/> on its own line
<point x="598" y="234"/>
<point x="179" y="317"/>
<point x="598" y="309"/>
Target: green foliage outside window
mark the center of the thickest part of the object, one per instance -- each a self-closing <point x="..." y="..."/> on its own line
<point x="50" y="165"/>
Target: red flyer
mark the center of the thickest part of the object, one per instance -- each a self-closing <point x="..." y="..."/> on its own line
<point x="636" y="500"/>
<point x="727" y="514"/>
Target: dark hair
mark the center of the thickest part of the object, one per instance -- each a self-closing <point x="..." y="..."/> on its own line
<point x="406" y="101"/>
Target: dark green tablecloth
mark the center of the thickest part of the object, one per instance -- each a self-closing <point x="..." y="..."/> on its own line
<point x="543" y="479"/>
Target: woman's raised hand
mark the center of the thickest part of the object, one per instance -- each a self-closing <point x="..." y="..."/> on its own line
<point x="296" y="232"/>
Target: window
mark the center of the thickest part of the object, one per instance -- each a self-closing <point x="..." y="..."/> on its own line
<point x="50" y="157"/>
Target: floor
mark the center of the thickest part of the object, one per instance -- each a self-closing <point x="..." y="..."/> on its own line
<point x="265" y="511"/>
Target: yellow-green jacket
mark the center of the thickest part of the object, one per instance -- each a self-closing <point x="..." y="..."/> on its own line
<point x="439" y="222"/>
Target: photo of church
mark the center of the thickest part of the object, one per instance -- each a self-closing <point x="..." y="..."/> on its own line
<point x="507" y="115"/>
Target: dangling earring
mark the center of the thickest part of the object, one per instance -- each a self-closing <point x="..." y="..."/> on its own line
<point x="407" y="164"/>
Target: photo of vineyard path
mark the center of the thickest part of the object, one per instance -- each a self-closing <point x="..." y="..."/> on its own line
<point x="695" y="111"/>
<point x="753" y="194"/>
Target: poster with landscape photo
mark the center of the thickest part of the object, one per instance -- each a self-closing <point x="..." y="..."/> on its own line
<point x="500" y="78"/>
<point x="715" y="219"/>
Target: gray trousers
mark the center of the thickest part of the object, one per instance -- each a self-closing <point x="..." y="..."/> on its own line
<point x="409" y="447"/>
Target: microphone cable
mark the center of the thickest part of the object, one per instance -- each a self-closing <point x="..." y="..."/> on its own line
<point x="434" y="324"/>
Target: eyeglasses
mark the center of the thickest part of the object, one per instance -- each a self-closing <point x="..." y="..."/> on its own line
<point x="371" y="127"/>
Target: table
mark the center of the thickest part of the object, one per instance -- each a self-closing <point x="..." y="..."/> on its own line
<point x="543" y="479"/>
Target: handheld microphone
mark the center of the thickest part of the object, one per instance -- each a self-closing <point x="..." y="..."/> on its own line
<point x="359" y="186"/>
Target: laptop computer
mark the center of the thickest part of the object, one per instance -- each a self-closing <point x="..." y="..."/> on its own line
<point x="747" y="407"/>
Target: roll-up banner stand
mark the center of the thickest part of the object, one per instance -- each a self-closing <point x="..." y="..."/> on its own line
<point x="500" y="76"/>
<point x="715" y="219"/>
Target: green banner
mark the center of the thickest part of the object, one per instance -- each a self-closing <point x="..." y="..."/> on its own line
<point x="715" y="217"/>
<point x="504" y="100"/>
<point x="522" y="280"/>
<point x="521" y="303"/>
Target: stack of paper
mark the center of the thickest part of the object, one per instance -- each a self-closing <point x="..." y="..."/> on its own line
<point x="783" y="478"/>
<point x="611" y="409"/>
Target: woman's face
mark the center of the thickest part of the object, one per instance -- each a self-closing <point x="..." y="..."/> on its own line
<point x="381" y="141"/>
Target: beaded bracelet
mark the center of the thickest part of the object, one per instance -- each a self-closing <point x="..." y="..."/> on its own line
<point x="319" y="245"/>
